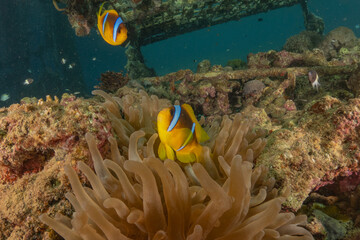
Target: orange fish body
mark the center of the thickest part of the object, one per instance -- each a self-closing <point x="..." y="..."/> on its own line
<point x="180" y="134"/>
<point x="111" y="27"/>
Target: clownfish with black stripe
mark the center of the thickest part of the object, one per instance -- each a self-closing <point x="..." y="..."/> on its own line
<point x="180" y="134"/>
<point x="111" y="27"/>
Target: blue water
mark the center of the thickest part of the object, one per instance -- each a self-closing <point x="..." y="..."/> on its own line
<point x="32" y="39"/>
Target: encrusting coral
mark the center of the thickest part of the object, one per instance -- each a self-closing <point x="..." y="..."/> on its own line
<point x="145" y="198"/>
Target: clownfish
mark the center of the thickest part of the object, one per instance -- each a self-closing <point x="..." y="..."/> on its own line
<point x="112" y="27"/>
<point x="180" y="132"/>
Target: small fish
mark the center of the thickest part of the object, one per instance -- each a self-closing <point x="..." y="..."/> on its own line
<point x="314" y="79"/>
<point x="260" y="19"/>
<point x="94" y="58"/>
<point x="28" y="81"/>
<point x="71" y="65"/>
<point x="4" y="97"/>
<point x="63" y="61"/>
<point x="357" y="26"/>
<point x="180" y="132"/>
<point x="112" y="27"/>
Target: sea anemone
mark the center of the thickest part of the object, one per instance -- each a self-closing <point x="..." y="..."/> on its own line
<point x="146" y="198"/>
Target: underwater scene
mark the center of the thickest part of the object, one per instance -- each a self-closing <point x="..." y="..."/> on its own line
<point x="180" y="119"/>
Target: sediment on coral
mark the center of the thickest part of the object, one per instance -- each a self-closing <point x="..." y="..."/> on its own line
<point x="145" y="198"/>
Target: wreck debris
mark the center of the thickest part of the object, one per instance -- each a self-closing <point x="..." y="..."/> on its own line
<point x="312" y="22"/>
<point x="244" y="75"/>
<point x="152" y="21"/>
<point x="135" y="65"/>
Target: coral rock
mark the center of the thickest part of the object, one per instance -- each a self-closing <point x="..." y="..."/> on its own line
<point x="112" y="81"/>
<point x="336" y="39"/>
<point x="322" y="145"/>
<point x="36" y="140"/>
<point x="353" y="82"/>
<point x="203" y="66"/>
<point x="302" y="42"/>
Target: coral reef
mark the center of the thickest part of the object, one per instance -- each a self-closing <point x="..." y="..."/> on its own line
<point x="236" y="64"/>
<point x="313" y="147"/>
<point x="203" y="66"/>
<point x="341" y="37"/>
<point x="112" y="81"/>
<point x="303" y="41"/>
<point x="27" y="143"/>
<point x="252" y="88"/>
<point x="319" y="145"/>
<point x="353" y="82"/>
<point x="220" y="91"/>
<point x="80" y="24"/>
<point x="37" y="138"/>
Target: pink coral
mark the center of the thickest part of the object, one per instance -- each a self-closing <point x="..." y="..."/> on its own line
<point x="349" y="183"/>
<point x="207" y="90"/>
<point x="347" y="121"/>
<point x="253" y="88"/>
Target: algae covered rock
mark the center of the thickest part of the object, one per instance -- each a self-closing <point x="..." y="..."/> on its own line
<point x="336" y="39"/>
<point x="203" y="66"/>
<point x="236" y="64"/>
<point x="303" y="41"/>
<point x="322" y="142"/>
<point x="36" y="140"/>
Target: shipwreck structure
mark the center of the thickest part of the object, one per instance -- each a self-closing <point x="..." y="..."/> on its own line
<point x="149" y="21"/>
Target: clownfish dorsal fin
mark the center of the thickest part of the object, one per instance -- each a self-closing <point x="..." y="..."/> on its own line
<point x="201" y="135"/>
<point x="100" y="9"/>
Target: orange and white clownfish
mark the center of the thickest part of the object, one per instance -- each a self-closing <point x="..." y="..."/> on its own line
<point x="112" y="27"/>
<point x="180" y="132"/>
